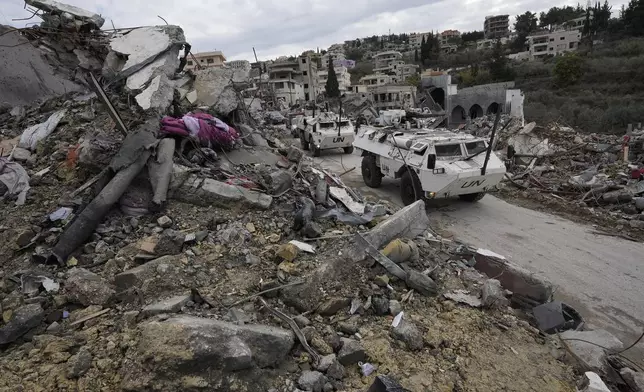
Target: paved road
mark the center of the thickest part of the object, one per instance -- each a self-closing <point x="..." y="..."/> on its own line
<point x="602" y="277"/>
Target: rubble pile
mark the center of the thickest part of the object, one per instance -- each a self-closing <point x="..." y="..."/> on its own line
<point x="145" y="246"/>
<point x="599" y="175"/>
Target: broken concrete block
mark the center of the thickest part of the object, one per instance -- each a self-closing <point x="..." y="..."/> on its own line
<point x="408" y="333"/>
<point x="325" y="362"/>
<point x="333" y="306"/>
<point x="336" y="370"/>
<point x="165" y="222"/>
<point x="87" y="288"/>
<point x="591" y="356"/>
<point x="80" y="363"/>
<point x="144" y="45"/>
<point x="351" y="352"/>
<point x="164" y="274"/>
<point x="185" y="341"/>
<point x="214" y="88"/>
<point x="207" y="191"/>
<point x="278" y="181"/>
<point x="287" y="252"/>
<point x="21" y="154"/>
<point x="407" y="222"/>
<point x="87" y="61"/>
<point x="527" y="288"/>
<point x="192" y="97"/>
<point x="493" y="295"/>
<point x="311" y="381"/>
<point x="593" y="383"/>
<point x="633" y="379"/>
<point x="22" y="320"/>
<point x="421" y="283"/>
<point x="170" y="305"/>
<point x="158" y="95"/>
<point x="166" y="64"/>
<point x="52" y="6"/>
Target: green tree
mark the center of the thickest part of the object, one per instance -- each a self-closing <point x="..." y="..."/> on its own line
<point x="499" y="69"/>
<point x="332" y="86"/>
<point x="415" y="55"/>
<point x="524" y="25"/>
<point x="413" y="80"/>
<point x="568" y="69"/>
<point x="472" y="36"/>
<point x="557" y="16"/>
<point x="634" y="17"/>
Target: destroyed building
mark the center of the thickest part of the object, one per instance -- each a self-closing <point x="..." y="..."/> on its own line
<point x="158" y="232"/>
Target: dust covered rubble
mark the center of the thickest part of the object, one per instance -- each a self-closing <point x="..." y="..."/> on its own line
<point x="159" y="261"/>
<point x="594" y="175"/>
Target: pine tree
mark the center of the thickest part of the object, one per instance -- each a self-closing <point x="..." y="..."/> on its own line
<point x="415" y="55"/>
<point x="423" y="49"/>
<point x="332" y="86"/>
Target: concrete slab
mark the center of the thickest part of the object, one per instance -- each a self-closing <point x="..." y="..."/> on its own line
<point x="144" y="45"/>
<point x="76" y="12"/>
<point x="206" y="191"/>
<point x="165" y="64"/>
<point x="158" y="95"/>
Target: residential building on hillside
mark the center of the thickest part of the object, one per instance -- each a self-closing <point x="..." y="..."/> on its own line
<point x="285" y="80"/>
<point x="308" y="68"/>
<point x="344" y="63"/>
<point x="382" y="60"/>
<point x="496" y="26"/>
<point x="205" y="59"/>
<point x="334" y="56"/>
<point x="448" y="36"/>
<point x="390" y="96"/>
<point x="403" y="71"/>
<point x="553" y="44"/>
<point x="489" y="43"/>
<point x="416" y="39"/>
<point x="238" y="64"/>
<point x="377" y="80"/>
<point x="358" y="88"/>
<point x="341" y="73"/>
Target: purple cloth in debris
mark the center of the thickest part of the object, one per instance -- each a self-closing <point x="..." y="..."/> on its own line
<point x="209" y="130"/>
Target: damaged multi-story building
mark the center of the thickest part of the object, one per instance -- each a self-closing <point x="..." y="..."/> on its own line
<point x="205" y="60"/>
<point x="496" y="26"/>
<point x="294" y="79"/>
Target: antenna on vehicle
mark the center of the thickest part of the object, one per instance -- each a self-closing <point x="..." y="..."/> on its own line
<point x="489" y="148"/>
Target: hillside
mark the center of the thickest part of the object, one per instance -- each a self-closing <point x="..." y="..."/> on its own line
<point x="608" y="95"/>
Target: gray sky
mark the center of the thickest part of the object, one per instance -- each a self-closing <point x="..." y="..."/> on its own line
<point x="289" y="27"/>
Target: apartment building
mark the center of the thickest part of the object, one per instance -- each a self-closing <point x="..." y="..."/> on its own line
<point x="387" y="97"/>
<point x="496" y="26"/>
<point x="239" y="64"/>
<point x="341" y="73"/>
<point x="403" y="71"/>
<point x="382" y="60"/>
<point x="285" y="81"/>
<point x="205" y="59"/>
<point x="416" y="39"/>
<point x="448" y="36"/>
<point x="308" y="67"/>
<point x="553" y="43"/>
<point x="378" y="80"/>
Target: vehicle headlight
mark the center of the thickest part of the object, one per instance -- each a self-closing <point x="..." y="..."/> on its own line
<point x="440" y="170"/>
<point x="430" y="195"/>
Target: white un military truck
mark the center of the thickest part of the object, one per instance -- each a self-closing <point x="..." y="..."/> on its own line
<point x="326" y="131"/>
<point x="430" y="163"/>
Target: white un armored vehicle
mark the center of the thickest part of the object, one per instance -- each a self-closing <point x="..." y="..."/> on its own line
<point x="430" y="163"/>
<point x="325" y="131"/>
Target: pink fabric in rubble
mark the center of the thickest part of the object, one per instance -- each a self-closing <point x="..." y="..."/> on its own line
<point x="210" y="131"/>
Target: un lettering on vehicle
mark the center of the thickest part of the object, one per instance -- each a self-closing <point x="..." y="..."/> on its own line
<point x="338" y="140"/>
<point x="470" y="184"/>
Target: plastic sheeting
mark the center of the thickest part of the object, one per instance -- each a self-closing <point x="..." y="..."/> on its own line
<point x="35" y="133"/>
<point x="15" y="178"/>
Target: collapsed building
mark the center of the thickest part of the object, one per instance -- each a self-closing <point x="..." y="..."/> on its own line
<point x="143" y="247"/>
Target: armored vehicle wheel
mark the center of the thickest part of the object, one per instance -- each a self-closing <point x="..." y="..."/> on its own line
<point x="371" y="173"/>
<point x="312" y="147"/>
<point x="348" y="150"/>
<point x="410" y="187"/>
<point x="303" y="142"/>
<point x="472" y="197"/>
